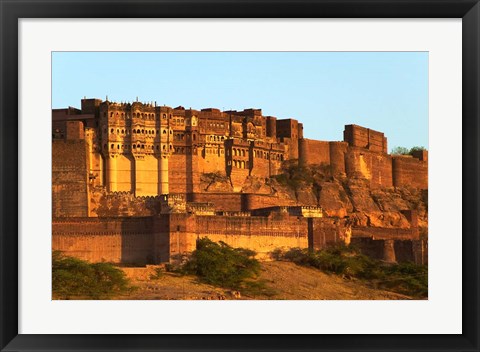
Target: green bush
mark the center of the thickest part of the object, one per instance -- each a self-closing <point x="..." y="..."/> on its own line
<point x="221" y="265"/>
<point x="405" y="278"/>
<point x="73" y="278"/>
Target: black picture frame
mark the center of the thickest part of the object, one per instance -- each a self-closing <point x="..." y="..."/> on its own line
<point x="12" y="11"/>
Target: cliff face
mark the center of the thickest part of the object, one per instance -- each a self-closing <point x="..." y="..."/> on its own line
<point x="339" y="197"/>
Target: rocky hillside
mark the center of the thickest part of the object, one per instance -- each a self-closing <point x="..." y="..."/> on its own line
<point x="337" y="195"/>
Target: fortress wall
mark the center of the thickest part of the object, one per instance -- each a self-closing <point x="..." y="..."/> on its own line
<point x="213" y="161"/>
<point x="256" y="201"/>
<point x="410" y="172"/>
<point x="261" y="234"/>
<point x="381" y="233"/>
<point x="177" y="173"/>
<point x="400" y="250"/>
<point x="125" y="172"/>
<point x="125" y="240"/>
<point x="105" y="204"/>
<point x="69" y="178"/>
<point x="326" y="232"/>
<point x="373" y="166"/>
<point x="337" y="157"/>
<point x="222" y="201"/>
<point x="313" y="152"/>
<point x="146" y="176"/>
<point x="74" y="130"/>
<point x="362" y="137"/>
<point x="183" y="234"/>
<point x="261" y="167"/>
<point x="238" y="177"/>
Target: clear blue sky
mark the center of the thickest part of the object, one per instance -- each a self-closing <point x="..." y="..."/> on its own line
<point x="385" y="91"/>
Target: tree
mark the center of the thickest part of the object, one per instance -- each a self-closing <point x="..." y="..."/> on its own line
<point x="400" y="151"/>
<point x="406" y="151"/>
<point x="75" y="278"/>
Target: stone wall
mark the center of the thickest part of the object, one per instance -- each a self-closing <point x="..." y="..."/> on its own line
<point x="116" y="240"/>
<point x="372" y="166"/>
<point x="69" y="178"/>
<point x="313" y="152"/>
<point x="362" y="137"/>
<point x="410" y="172"/>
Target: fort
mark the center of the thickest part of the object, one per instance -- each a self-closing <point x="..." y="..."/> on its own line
<point x="139" y="183"/>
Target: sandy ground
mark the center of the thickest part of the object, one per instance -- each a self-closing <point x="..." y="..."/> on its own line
<point x="289" y="282"/>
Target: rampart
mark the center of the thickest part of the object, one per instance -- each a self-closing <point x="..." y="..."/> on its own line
<point x="69" y="178"/>
<point x="117" y="240"/>
<point x="410" y="172"/>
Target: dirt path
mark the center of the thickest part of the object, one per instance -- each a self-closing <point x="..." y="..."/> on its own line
<point x="289" y="281"/>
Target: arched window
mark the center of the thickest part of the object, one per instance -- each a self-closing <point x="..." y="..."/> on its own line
<point x="118" y="131"/>
<point x="164" y="132"/>
<point x="164" y="116"/>
<point x="164" y="147"/>
<point x="112" y="130"/>
<point x="118" y="146"/>
<point x="134" y="146"/>
<point x="134" y="131"/>
<point x="143" y="131"/>
<point x="138" y="131"/>
<point x="138" y="146"/>
<point x="243" y="152"/>
<point x="123" y="131"/>
<point x="112" y="146"/>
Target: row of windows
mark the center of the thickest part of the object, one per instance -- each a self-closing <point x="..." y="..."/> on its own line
<point x="240" y="164"/>
<point x="135" y="147"/>
<point x="216" y="138"/>
<point x="216" y="125"/>
<point x="214" y="151"/>
<point x="136" y="131"/>
<point x="239" y="152"/>
<point x="148" y="116"/>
